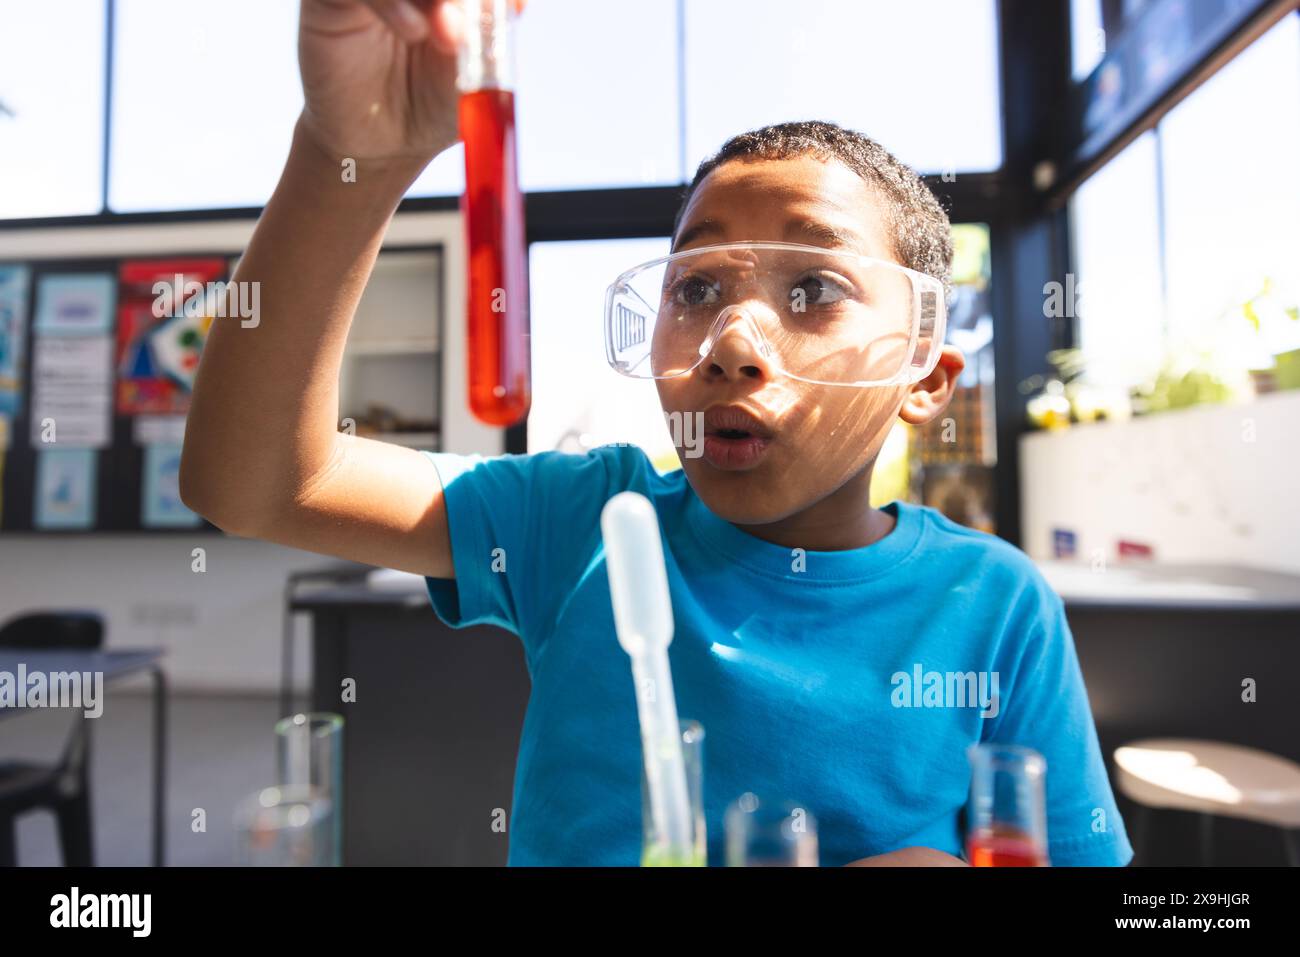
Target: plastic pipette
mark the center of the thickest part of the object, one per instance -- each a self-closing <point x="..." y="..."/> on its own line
<point x="643" y="617"/>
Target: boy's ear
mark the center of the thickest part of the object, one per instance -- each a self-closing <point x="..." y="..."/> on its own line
<point x="929" y="397"/>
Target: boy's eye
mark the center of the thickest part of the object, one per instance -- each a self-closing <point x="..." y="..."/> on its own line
<point x="695" y="291"/>
<point x="820" y="290"/>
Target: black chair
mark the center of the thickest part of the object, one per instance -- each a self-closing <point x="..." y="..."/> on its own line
<point x="62" y="788"/>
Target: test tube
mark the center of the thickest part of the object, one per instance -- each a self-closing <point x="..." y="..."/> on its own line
<point x="500" y="389"/>
<point x="766" y="833"/>
<point x="1006" y="819"/>
<point x="656" y="850"/>
<point x="309" y="753"/>
<point x="284" y="826"/>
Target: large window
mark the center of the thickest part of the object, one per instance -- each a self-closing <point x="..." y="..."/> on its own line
<point x="1232" y="199"/>
<point x="610" y="95"/>
<point x="198" y="134"/>
<point x="598" y="96"/>
<point x="1185" y="244"/>
<point x="51" y="108"/>
<point x="203" y="106"/>
<point x="579" y="402"/>
<point x="920" y="77"/>
<point x="1116" y="298"/>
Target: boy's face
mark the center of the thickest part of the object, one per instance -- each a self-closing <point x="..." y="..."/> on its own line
<point x="805" y="441"/>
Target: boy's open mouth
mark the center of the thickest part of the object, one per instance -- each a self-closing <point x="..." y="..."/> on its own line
<point x="734" y="438"/>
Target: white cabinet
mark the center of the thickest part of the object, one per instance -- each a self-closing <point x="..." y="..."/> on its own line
<point x="390" y="385"/>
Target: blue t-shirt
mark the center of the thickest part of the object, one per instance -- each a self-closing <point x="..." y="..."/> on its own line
<point x="800" y="667"/>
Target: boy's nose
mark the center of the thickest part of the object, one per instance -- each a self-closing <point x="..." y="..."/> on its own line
<point x="740" y="351"/>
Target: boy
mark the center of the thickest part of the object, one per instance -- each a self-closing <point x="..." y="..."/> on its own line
<point x="800" y="610"/>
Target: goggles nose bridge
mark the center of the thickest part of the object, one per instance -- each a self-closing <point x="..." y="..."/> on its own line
<point x="745" y="316"/>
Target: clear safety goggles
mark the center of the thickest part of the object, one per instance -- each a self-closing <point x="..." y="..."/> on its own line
<point x="819" y="315"/>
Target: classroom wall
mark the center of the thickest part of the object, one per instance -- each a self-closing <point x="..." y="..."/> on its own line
<point x="221" y="627"/>
<point x="1209" y="484"/>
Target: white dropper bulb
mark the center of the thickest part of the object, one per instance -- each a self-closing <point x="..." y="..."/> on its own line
<point x="643" y="618"/>
<point x="638" y="583"/>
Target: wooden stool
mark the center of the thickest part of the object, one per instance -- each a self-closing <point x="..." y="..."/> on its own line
<point x="1211" y="778"/>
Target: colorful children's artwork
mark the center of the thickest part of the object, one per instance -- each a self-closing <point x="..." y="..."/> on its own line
<point x="75" y="304"/>
<point x="158" y="345"/>
<point x="13" y="319"/>
<point x="161" y="505"/>
<point x="65" y="489"/>
<point x="176" y="344"/>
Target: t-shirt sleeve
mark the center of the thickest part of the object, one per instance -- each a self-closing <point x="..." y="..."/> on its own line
<point x="1044" y="705"/>
<point x="522" y="527"/>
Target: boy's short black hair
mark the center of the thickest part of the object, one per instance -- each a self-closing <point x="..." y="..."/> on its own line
<point x="918" y="224"/>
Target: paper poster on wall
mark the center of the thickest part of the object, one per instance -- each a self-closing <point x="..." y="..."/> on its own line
<point x="72" y="391"/>
<point x="65" y="489"/>
<point x="161" y="505"/>
<point x="158" y="430"/>
<point x="158" y="343"/>
<point x="75" y="304"/>
<point x="176" y="346"/>
<point x="13" y="318"/>
<point x="72" y="352"/>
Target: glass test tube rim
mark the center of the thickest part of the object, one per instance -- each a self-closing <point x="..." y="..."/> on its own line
<point x="485" y="57"/>
<point x="319" y="723"/>
<point x="767" y="811"/>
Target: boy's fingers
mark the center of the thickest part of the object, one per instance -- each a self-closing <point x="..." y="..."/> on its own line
<point x="402" y="17"/>
<point x="448" y="25"/>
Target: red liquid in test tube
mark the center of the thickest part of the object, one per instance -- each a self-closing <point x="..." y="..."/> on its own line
<point x="500" y="390"/>
<point x="1007" y="823"/>
<point x="989" y="849"/>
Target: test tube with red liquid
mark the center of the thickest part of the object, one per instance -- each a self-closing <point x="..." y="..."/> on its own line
<point x="1006" y="818"/>
<point x="500" y="390"/>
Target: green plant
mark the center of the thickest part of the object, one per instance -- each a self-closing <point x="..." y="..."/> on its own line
<point x="1068" y="363"/>
<point x="1183" y="382"/>
<point x="1250" y="308"/>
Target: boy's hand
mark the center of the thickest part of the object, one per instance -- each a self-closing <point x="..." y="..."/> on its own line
<point x="379" y="76"/>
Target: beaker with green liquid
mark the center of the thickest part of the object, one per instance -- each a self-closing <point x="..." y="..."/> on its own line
<point x="655" y="851"/>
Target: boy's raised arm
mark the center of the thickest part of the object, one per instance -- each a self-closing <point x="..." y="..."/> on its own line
<point x="263" y="453"/>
